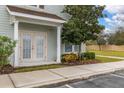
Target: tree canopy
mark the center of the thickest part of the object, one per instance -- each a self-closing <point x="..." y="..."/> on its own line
<point x="83" y="24"/>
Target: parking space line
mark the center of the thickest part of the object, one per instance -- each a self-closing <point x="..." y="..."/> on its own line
<point x="117" y="75"/>
<point x="69" y="86"/>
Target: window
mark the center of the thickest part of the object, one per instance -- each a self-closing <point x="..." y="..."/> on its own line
<point x="71" y="48"/>
<point x="26" y="46"/>
<point x="76" y="48"/>
<point x="40" y="45"/>
<point x="68" y="48"/>
<point x="38" y="6"/>
<point x="41" y="6"/>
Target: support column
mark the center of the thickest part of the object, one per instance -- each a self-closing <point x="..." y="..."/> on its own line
<point x="59" y="44"/>
<point x="83" y="47"/>
<point x="16" y="48"/>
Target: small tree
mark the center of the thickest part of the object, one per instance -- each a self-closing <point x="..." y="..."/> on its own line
<point x="83" y="24"/>
<point x="117" y="38"/>
<point x="101" y="41"/>
<point x="6" y="49"/>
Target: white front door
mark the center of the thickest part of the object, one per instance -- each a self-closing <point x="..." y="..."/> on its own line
<point x="33" y="46"/>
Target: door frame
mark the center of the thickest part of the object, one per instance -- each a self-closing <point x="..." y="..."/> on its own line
<point x="33" y="58"/>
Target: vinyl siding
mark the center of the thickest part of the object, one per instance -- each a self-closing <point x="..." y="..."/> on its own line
<point x="5" y="27"/>
<point x="56" y="9"/>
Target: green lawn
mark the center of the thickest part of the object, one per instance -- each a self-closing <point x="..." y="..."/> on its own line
<point x="43" y="67"/>
<point x="34" y="68"/>
<point x="105" y="59"/>
<point x="110" y="53"/>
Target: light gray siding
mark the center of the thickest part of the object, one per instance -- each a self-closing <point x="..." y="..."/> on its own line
<point x="56" y="9"/>
<point x="52" y="44"/>
<point x="51" y="37"/>
<point x="5" y="27"/>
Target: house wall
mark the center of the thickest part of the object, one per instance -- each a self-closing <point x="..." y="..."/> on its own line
<point x="5" y="27"/>
<point x="56" y="9"/>
<point x="51" y="37"/>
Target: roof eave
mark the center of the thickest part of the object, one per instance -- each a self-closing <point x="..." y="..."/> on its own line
<point x="35" y="17"/>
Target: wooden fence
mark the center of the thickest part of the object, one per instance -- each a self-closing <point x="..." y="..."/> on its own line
<point x="106" y="47"/>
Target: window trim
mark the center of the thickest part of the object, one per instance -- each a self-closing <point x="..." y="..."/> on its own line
<point x="73" y="49"/>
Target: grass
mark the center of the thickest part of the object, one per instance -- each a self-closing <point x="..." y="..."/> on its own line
<point x="110" y="53"/>
<point x="53" y="66"/>
<point x="105" y="59"/>
<point x="43" y="67"/>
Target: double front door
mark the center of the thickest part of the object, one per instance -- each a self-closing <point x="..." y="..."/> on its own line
<point x="32" y="46"/>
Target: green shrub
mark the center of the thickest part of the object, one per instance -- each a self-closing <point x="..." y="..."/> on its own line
<point x="87" y="55"/>
<point x="6" y="49"/>
<point x="69" y="57"/>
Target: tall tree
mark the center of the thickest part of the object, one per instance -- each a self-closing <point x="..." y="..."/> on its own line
<point x="101" y="40"/>
<point x="117" y="38"/>
<point x="83" y="24"/>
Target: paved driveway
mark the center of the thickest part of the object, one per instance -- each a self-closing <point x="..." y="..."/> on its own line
<point x="114" y="80"/>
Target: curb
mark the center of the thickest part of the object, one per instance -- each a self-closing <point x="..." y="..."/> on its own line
<point x="71" y="80"/>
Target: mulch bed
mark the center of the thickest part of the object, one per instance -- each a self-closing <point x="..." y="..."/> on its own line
<point x="6" y="69"/>
<point x="82" y="62"/>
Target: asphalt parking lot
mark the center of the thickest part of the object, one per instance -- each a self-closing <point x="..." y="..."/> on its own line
<point x="113" y="80"/>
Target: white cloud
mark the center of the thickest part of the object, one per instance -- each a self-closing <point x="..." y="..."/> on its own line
<point x="118" y="19"/>
<point x="108" y="20"/>
<point x="118" y="16"/>
<point x="115" y="8"/>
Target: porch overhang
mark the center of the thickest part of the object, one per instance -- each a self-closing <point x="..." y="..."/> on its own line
<point x="35" y="15"/>
<point x="22" y="15"/>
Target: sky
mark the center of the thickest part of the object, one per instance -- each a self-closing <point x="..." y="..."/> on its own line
<point x="114" y="19"/>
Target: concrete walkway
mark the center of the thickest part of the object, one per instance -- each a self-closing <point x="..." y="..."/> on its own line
<point x="59" y="75"/>
<point x="111" y="57"/>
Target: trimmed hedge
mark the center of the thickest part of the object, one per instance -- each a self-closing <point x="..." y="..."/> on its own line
<point x="87" y="55"/>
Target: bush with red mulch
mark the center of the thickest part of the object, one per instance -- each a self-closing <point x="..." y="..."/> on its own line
<point x="82" y="62"/>
<point x="74" y="59"/>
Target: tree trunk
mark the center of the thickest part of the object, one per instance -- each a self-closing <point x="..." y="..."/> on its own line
<point x="99" y="47"/>
<point x="79" y="53"/>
